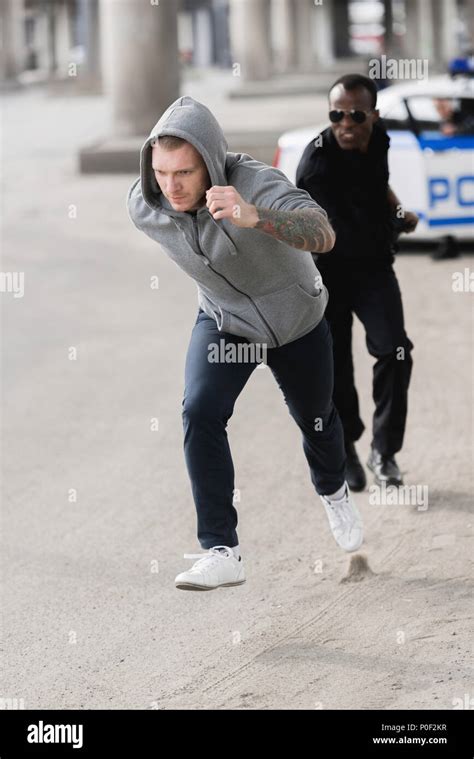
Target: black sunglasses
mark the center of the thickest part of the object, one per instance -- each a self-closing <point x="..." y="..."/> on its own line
<point x="357" y="116"/>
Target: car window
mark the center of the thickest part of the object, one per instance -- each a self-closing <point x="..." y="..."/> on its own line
<point x="424" y="112"/>
<point x="396" y="116"/>
<point x="449" y="117"/>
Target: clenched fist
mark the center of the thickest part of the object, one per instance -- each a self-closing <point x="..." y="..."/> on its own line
<point x="226" y="203"/>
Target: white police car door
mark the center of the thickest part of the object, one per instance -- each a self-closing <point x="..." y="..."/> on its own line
<point x="406" y="163"/>
<point x="448" y="165"/>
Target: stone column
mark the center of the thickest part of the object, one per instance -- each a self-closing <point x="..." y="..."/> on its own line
<point x="420" y="15"/>
<point x="90" y="76"/>
<point x="203" y="38"/>
<point x="323" y="34"/>
<point x="284" y="35"/>
<point x="63" y="39"/>
<point x="448" y="14"/>
<point x="40" y="40"/>
<point x="52" y="59"/>
<point x="467" y="12"/>
<point x="305" y="58"/>
<point x="250" y="35"/>
<point x="12" y="49"/>
<point x="139" y="61"/>
<point x="410" y="38"/>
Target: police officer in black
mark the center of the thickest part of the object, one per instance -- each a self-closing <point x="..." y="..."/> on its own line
<point x="345" y="169"/>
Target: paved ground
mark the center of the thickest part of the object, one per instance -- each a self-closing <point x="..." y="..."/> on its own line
<point x="92" y="618"/>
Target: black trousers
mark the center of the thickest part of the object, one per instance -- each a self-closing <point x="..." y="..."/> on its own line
<point x="374" y="297"/>
<point x="303" y="371"/>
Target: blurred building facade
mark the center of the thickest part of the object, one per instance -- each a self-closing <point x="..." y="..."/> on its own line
<point x="41" y="39"/>
<point x="44" y="39"/>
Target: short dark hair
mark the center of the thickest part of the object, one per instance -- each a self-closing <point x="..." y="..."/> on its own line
<point x="169" y="142"/>
<point x="354" y="82"/>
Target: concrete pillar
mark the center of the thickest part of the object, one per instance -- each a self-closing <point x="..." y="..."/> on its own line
<point x="467" y="13"/>
<point x="41" y="41"/>
<point x="322" y="33"/>
<point x="425" y="27"/>
<point x="139" y="62"/>
<point x="250" y="35"/>
<point x="12" y="49"/>
<point x="52" y="61"/>
<point x="63" y="38"/>
<point x="410" y="38"/>
<point x="284" y="35"/>
<point x="437" y="62"/>
<point x="185" y="34"/>
<point x="419" y="39"/>
<point x="304" y="49"/>
<point x="203" y="43"/>
<point x="90" y="74"/>
<point x="448" y="16"/>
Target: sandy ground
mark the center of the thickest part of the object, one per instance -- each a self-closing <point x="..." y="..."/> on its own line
<point x="91" y="615"/>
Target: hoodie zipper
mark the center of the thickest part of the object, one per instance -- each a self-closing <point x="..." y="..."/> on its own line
<point x="264" y="320"/>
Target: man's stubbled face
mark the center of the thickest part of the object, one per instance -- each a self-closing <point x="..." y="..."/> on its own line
<point x="349" y="135"/>
<point x="182" y="176"/>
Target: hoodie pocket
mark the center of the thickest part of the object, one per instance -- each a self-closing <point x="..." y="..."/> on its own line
<point x="244" y="323"/>
<point x="293" y="311"/>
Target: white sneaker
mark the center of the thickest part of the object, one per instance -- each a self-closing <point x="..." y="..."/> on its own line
<point x="216" y="568"/>
<point x="344" y="520"/>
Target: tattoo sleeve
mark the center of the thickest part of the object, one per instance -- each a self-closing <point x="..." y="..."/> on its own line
<point x="305" y="228"/>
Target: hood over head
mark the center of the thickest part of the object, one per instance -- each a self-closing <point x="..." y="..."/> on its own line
<point x="193" y="122"/>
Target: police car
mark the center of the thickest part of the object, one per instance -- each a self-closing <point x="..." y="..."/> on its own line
<point x="431" y="156"/>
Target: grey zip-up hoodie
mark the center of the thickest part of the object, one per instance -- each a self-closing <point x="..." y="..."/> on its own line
<point x="253" y="285"/>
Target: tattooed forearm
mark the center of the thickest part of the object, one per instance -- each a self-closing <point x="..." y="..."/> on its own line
<point x="306" y="228"/>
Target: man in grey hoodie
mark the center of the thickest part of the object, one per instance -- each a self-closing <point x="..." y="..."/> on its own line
<point x="245" y="234"/>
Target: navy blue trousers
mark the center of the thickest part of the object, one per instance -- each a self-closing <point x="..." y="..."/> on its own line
<point x="303" y="370"/>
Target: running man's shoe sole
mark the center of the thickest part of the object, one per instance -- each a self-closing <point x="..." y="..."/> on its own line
<point x="189" y="586"/>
